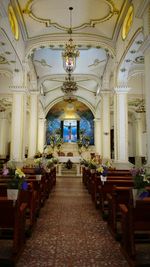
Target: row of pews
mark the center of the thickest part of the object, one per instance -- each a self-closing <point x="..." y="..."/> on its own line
<point x="128" y="220"/>
<point x="18" y="218"/>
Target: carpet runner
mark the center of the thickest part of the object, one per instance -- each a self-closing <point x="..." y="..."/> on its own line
<point x="70" y="232"/>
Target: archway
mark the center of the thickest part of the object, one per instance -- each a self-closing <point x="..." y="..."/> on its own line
<point x="63" y="114"/>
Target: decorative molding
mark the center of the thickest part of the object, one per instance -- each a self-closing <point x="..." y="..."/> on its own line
<point x="145" y="47"/>
<point x="3" y="60"/>
<point x="91" y="23"/>
<point x="122" y="90"/>
<point x="141" y="9"/>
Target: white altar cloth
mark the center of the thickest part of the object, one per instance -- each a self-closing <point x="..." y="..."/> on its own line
<point x="73" y="159"/>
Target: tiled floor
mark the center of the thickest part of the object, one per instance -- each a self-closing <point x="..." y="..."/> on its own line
<point x="70" y="232"/>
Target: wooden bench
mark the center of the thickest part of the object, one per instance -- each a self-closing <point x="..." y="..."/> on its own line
<point x="135" y="222"/>
<point x="119" y="195"/>
<point x="12" y="230"/>
<point x="106" y="188"/>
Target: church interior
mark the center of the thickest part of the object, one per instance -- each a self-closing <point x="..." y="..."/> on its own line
<point x="74" y="133"/>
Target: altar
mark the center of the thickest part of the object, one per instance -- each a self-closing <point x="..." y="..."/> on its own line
<point x="73" y="159"/>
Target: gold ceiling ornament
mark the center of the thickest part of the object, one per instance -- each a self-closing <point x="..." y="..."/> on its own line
<point x="127" y="22"/>
<point x="3" y="60"/>
<point x="71" y="53"/>
<point x="69" y="85"/>
<point x="70" y="98"/>
<point x="112" y="10"/>
<point x="13" y="22"/>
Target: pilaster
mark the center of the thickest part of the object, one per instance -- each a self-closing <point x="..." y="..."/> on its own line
<point x="33" y="124"/>
<point x="105" y="124"/>
<point x="41" y="134"/>
<point x="18" y="124"/>
<point x="121" y="124"/>
<point x="98" y="145"/>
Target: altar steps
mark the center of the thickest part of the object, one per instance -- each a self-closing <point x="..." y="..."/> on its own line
<point x="69" y="172"/>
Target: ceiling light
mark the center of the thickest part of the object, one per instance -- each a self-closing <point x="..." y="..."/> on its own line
<point x="70" y="53"/>
<point x="69" y="85"/>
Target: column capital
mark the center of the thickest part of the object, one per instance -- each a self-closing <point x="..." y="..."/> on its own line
<point x="18" y="89"/>
<point x="34" y="93"/>
<point x="122" y="90"/>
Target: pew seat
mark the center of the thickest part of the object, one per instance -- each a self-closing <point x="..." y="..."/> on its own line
<point x="135" y="223"/>
<point x="12" y="230"/>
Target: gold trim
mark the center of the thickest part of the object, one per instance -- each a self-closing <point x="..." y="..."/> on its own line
<point x="127" y="22"/>
<point x="112" y="11"/>
<point x="13" y="22"/>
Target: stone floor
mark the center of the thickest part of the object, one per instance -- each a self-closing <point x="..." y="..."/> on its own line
<point x="70" y="232"/>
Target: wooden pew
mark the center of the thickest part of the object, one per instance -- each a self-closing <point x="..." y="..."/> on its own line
<point x="119" y="195"/>
<point x="135" y="222"/>
<point x="12" y="222"/>
<point x="29" y="197"/>
<point x="95" y="185"/>
<point x="107" y="187"/>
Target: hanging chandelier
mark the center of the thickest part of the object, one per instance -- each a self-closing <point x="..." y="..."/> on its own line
<point x="69" y="85"/>
<point x="70" y="53"/>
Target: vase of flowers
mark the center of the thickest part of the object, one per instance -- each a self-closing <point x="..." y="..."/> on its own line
<point x="103" y="171"/>
<point x="16" y="181"/>
<point x="141" y="180"/>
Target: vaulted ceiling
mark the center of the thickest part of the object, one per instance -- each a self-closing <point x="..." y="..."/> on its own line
<point x="44" y="24"/>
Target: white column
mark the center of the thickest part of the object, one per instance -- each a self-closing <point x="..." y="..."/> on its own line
<point x="139" y="128"/>
<point x="145" y="49"/>
<point x="97" y="136"/>
<point x="105" y="125"/>
<point x="3" y="134"/>
<point x="138" y="139"/>
<point x="33" y="124"/>
<point x="121" y="124"/>
<point x="41" y="134"/>
<point x="18" y="125"/>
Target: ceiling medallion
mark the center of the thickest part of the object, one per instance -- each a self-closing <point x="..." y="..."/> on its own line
<point x="111" y="11"/>
<point x="71" y="53"/>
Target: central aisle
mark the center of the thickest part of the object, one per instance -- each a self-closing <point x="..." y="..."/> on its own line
<point x="70" y="232"/>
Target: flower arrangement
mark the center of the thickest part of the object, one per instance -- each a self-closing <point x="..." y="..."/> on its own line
<point x="38" y="155"/>
<point x="55" y="160"/>
<point x="38" y="162"/>
<point x="140" y="177"/>
<point x="50" y="163"/>
<point x="103" y="170"/>
<point x="17" y="176"/>
<point x="92" y="164"/>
